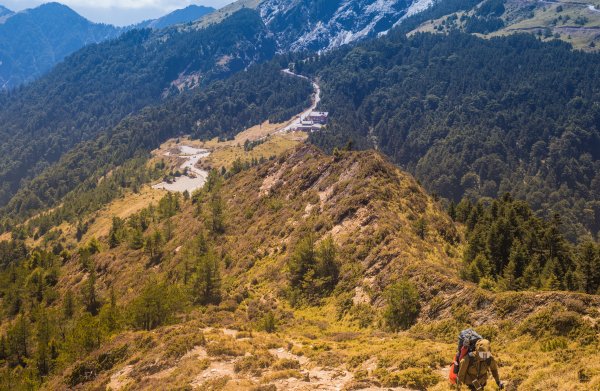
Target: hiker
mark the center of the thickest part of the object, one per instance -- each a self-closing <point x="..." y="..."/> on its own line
<point x="474" y="367"/>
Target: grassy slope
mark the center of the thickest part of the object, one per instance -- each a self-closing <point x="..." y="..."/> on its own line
<point x="370" y="207"/>
<point x="533" y="16"/>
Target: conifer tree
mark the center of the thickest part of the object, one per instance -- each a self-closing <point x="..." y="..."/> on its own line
<point x="109" y="315"/>
<point x="89" y="296"/>
<point x="403" y="305"/>
<point x="42" y="354"/>
<point x="328" y="269"/>
<point x="137" y="239"/>
<point x="588" y="268"/>
<point x="207" y="282"/>
<point x="68" y="305"/>
<point x="153" y="245"/>
<point x="302" y="260"/>
<point x="217" y="216"/>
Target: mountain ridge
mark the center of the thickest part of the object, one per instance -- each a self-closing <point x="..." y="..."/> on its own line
<point x="5" y="11"/>
<point x="34" y="40"/>
<point x="372" y="221"/>
<point x="322" y="25"/>
<point x="180" y="16"/>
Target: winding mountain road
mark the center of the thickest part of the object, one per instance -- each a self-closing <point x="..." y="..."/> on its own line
<point x="297" y="121"/>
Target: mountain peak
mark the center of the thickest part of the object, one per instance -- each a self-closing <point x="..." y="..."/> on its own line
<point x="5" y="11"/>
<point x="54" y="10"/>
<point x="184" y="15"/>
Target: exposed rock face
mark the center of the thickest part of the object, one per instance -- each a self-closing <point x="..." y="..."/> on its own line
<point x="322" y="25"/>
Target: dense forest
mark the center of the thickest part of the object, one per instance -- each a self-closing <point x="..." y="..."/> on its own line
<point x="473" y="117"/>
<point x="95" y="88"/>
<point x="508" y="248"/>
<point x="222" y="109"/>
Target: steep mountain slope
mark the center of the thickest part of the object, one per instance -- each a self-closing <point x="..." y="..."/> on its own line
<point x="184" y="15"/>
<point x="332" y="340"/>
<point x="301" y="25"/>
<point x="220" y="110"/>
<point x="98" y="86"/>
<point x="316" y="25"/>
<point x="33" y="41"/>
<point x="474" y="117"/>
<point x="577" y="23"/>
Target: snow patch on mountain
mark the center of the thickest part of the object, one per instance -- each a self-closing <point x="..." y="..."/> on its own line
<point x="313" y="25"/>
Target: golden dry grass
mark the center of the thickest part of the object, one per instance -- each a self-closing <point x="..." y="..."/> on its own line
<point x="369" y="206"/>
<point x="123" y="207"/>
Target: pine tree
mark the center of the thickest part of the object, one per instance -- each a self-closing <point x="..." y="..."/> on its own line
<point x="89" y="296"/>
<point x="403" y="305"/>
<point x="137" y="239"/>
<point x="509" y="278"/>
<point x="68" y="305"/>
<point x="328" y="269"/>
<point x="588" y="268"/>
<point x="18" y="341"/>
<point x="550" y="276"/>
<point x="42" y="354"/>
<point x="168" y="231"/>
<point x="153" y="245"/>
<point x="116" y="232"/>
<point x="531" y="274"/>
<point x="452" y="211"/>
<point x="217" y="216"/>
<point x="109" y="315"/>
<point x="155" y="306"/>
<point x="201" y="245"/>
<point x="207" y="283"/>
<point x="302" y="260"/>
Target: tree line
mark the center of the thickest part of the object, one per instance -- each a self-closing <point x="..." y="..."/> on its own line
<point x="509" y="248"/>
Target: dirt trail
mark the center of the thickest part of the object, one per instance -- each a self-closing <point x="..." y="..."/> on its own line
<point x="188" y="182"/>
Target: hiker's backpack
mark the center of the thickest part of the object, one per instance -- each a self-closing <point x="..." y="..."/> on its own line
<point x="467" y="339"/>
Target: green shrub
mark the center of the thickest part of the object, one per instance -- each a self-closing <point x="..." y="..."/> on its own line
<point x="551" y="344"/>
<point x="403" y="305"/>
<point x="414" y="378"/>
<point x="254" y="364"/>
<point x="362" y="314"/>
<point x="286" y="363"/>
<point x="268" y="322"/>
<point x="556" y="321"/>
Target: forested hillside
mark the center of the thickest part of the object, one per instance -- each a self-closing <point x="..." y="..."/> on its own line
<point x="34" y="40"/>
<point x="473" y="117"/>
<point x="296" y="273"/>
<point x="220" y="109"/>
<point x="98" y="86"/>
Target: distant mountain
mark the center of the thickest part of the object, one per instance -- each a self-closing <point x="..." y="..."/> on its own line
<point x="5" y="11"/>
<point x="34" y="40"/>
<point x="185" y="15"/>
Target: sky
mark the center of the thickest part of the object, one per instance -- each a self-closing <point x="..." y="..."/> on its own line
<point x="118" y="12"/>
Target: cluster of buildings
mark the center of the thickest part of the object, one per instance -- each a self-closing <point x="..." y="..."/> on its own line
<point x="312" y="122"/>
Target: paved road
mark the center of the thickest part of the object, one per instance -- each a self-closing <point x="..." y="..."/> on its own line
<point x="316" y="99"/>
